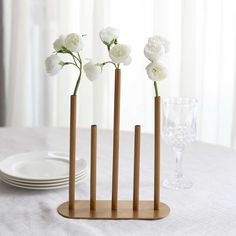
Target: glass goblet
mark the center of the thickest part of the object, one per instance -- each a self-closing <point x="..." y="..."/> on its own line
<point x="178" y="130"/>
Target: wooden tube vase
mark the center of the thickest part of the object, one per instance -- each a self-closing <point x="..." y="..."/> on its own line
<point x="157" y="149"/>
<point x="93" y="167"/>
<point x="115" y="209"/>
<point x="116" y="137"/>
<point x="73" y="106"/>
<point x="137" y="134"/>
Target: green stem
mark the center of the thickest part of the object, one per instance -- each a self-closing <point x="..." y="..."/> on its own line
<point x="77" y="84"/>
<point x="74" y="57"/>
<point x="71" y="63"/>
<point x="107" y="62"/>
<point x="79" y="78"/>
<point x="79" y="58"/>
<point x="156" y="89"/>
<point x="65" y="50"/>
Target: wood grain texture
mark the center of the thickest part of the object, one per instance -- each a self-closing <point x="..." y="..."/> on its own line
<point x="136" y="167"/>
<point x="73" y="104"/>
<point x="157" y="148"/>
<point x="93" y="167"/>
<point x="116" y="133"/>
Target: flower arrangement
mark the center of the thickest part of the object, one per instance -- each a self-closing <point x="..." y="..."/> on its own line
<point x="119" y="53"/>
<point x="73" y="44"/>
<point x="154" y="50"/>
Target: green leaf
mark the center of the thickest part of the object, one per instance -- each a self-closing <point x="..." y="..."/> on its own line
<point x="62" y="63"/>
<point x="112" y="41"/>
<point x="107" y="44"/>
<point x="65" y="50"/>
<point x="100" y="65"/>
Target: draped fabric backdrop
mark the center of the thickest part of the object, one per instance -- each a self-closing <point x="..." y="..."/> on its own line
<point x="2" y="75"/>
<point x="201" y="62"/>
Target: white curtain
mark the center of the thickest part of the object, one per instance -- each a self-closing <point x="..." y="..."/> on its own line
<point x="201" y="62"/>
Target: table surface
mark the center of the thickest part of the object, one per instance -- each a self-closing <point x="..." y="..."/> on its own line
<point x="208" y="208"/>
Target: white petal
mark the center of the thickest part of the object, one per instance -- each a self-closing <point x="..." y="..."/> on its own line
<point x="92" y="71"/>
<point x="74" y="42"/>
<point x="52" y="64"/>
<point x="59" y="43"/>
<point x="156" y="71"/>
<point x="153" y="52"/>
<point x="127" y="61"/>
<point x="120" y="53"/>
<point x="108" y="34"/>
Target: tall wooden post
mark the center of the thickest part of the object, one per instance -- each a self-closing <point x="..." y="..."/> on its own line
<point x="116" y="131"/>
<point x="157" y="146"/>
<point x="73" y="105"/>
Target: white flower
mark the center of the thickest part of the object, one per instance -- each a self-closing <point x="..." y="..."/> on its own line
<point x="74" y="42"/>
<point x="108" y="34"/>
<point x="59" y="43"/>
<point x="92" y="71"/>
<point x="156" y="71"/>
<point x="153" y="50"/>
<point x="159" y="39"/>
<point x="120" y="53"/>
<point x="53" y="64"/>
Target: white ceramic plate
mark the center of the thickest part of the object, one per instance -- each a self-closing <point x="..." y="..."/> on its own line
<point x="33" y="182"/>
<point x="42" y="184"/>
<point x="30" y="181"/>
<point x="39" y="166"/>
<point x="41" y="188"/>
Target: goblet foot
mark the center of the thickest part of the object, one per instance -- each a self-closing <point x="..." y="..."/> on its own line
<point x="177" y="183"/>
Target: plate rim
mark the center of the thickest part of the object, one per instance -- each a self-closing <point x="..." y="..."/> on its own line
<point x="2" y="175"/>
<point x="40" y="180"/>
<point x="42" y="188"/>
<point x="43" y="152"/>
<point x="43" y="185"/>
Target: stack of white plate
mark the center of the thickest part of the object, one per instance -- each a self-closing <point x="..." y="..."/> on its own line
<point x="40" y="170"/>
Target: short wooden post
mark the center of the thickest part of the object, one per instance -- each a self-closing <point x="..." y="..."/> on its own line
<point x="72" y="152"/>
<point x="157" y="146"/>
<point x="93" y="167"/>
<point x="136" y="167"/>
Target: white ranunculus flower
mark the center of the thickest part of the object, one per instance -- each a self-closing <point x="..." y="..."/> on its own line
<point x="53" y="64"/>
<point x="153" y="50"/>
<point x="92" y="71"/>
<point x="156" y="71"/>
<point x="74" y="42"/>
<point x="108" y="34"/>
<point x="159" y="39"/>
<point x="120" y="53"/>
<point x="59" y="43"/>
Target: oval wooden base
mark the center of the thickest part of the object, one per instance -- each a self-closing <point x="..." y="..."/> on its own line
<point x="103" y="210"/>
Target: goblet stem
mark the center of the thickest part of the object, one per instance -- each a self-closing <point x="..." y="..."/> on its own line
<point x="179" y="158"/>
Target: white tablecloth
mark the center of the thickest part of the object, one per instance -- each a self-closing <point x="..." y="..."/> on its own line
<point x="208" y="208"/>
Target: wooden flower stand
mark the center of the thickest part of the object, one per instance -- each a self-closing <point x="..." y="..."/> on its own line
<point x="115" y="209"/>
